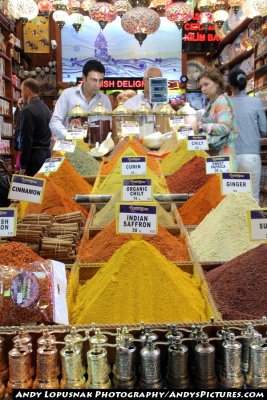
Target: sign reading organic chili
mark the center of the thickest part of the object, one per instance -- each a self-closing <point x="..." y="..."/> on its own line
<point x="136" y="190"/>
<point x="8" y="222"/>
<point x="27" y="188"/>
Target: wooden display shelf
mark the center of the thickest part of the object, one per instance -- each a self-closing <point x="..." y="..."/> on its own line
<point x="5" y="97"/>
<point x="16" y="87"/>
<point x="236" y="60"/>
<point x="6" y="115"/>
<point x="4" y="56"/>
<point x="6" y="78"/>
<point x="261" y="56"/>
<point x="258" y="89"/>
<point x="228" y="39"/>
<point x="261" y="69"/>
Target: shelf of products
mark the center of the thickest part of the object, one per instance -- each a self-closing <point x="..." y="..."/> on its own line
<point x="237" y="60"/>
<point x="228" y="39"/>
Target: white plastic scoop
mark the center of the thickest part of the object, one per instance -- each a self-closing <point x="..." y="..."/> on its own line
<point x="106" y="146"/>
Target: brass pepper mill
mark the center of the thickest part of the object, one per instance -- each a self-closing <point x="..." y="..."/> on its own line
<point x="231" y="376"/>
<point x="247" y="336"/>
<point x="3" y="362"/>
<point x="46" y="367"/>
<point x="177" y="370"/>
<point x="150" y="366"/>
<point x="257" y="375"/>
<point x="72" y="369"/>
<point x="19" y="368"/>
<point x="26" y="340"/>
<point x="97" y="362"/>
<point x="124" y="368"/>
<point x="47" y="339"/>
<point x="98" y="339"/>
<point x="205" y="377"/>
<point x="76" y="339"/>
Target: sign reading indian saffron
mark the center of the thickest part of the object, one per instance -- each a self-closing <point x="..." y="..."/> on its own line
<point x="140" y="218"/>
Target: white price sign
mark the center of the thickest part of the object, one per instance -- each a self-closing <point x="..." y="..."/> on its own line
<point x="75" y="134"/>
<point x="232" y="182"/>
<point x="130" y="128"/>
<point x="177" y="121"/>
<point x="64" y="145"/>
<point x="218" y="164"/>
<point x="26" y="188"/>
<point x="8" y="222"/>
<point x="136" y="190"/>
<point x="257" y="224"/>
<point x="136" y="218"/>
<point x="197" y="143"/>
<point x="133" y="166"/>
<point x="51" y="165"/>
<point x="183" y="133"/>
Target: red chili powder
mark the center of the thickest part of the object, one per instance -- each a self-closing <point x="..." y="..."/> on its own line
<point x="195" y="209"/>
<point x="239" y="286"/>
<point x="106" y="242"/>
<point x="189" y="178"/>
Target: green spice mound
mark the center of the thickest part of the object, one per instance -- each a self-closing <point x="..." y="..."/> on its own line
<point x="83" y="163"/>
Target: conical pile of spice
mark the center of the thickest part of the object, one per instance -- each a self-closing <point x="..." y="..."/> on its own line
<point x="168" y="146"/>
<point x="223" y="234"/>
<point x="112" y="183"/>
<point x="239" y="286"/>
<point x="138" y="149"/>
<point x="189" y="178"/>
<point x="139" y="284"/>
<point x="17" y="254"/>
<point x="68" y="179"/>
<point x="83" y="163"/>
<point x="55" y="202"/>
<point x="107" y="214"/>
<point x="195" y="209"/>
<point x="106" y="242"/>
<point x="180" y="156"/>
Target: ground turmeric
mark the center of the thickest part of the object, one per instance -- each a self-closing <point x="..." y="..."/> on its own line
<point x="177" y="158"/>
<point x="112" y="183"/>
<point x="139" y="284"/>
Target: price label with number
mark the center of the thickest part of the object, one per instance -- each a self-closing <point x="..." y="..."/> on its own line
<point x="136" y="218"/>
<point x="8" y="222"/>
<point x="27" y="188"/>
<point x="133" y="166"/>
<point x="183" y="133"/>
<point x="137" y="190"/>
<point x="51" y="165"/>
<point x="232" y="182"/>
<point x="130" y="128"/>
<point x="257" y="224"/>
<point x="75" y="134"/>
<point x="197" y="142"/>
<point x="218" y="164"/>
<point x="64" y="145"/>
<point x="176" y="121"/>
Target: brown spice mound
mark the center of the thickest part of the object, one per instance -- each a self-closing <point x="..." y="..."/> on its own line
<point x="202" y="202"/>
<point x="106" y="242"/>
<point x="189" y="178"/>
<point x="17" y="254"/>
<point x="239" y="286"/>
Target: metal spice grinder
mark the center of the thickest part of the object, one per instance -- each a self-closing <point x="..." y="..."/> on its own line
<point x="205" y="376"/>
<point x="19" y="368"/>
<point x="177" y="367"/>
<point x="231" y="376"/>
<point x="150" y="366"/>
<point x="97" y="362"/>
<point x="124" y="368"/>
<point x="257" y="375"/>
<point x="72" y="368"/>
<point x="46" y="367"/>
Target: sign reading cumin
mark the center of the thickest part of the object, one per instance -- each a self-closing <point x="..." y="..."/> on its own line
<point x="26" y="188"/>
<point x="133" y="166"/>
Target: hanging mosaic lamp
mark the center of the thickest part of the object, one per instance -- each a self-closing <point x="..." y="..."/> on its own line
<point x="235" y="5"/>
<point x="204" y="6"/>
<point x="206" y="19"/>
<point x="60" y="4"/>
<point x="45" y="7"/>
<point x="23" y="10"/>
<point x="158" y="5"/>
<point x="121" y="7"/>
<point x="76" y="20"/>
<point x="103" y="13"/>
<point x="60" y="17"/>
<point x="179" y="13"/>
<point x="219" y="17"/>
<point x="74" y="6"/>
<point x="220" y="5"/>
<point x="87" y="4"/>
<point x="255" y="8"/>
<point x="140" y="22"/>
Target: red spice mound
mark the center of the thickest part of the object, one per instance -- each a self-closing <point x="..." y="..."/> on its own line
<point x="202" y="202"/>
<point x="189" y="178"/>
<point x="17" y="254"/>
<point x="106" y="242"/>
<point x="239" y="286"/>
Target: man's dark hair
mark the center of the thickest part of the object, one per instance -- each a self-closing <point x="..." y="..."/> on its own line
<point x="93" y="65"/>
<point x="32" y="84"/>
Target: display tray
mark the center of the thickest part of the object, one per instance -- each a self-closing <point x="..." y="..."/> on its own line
<point x="94" y="208"/>
<point x="79" y="273"/>
<point x="89" y="178"/>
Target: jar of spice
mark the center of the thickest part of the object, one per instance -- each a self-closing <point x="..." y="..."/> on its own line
<point x="99" y="124"/>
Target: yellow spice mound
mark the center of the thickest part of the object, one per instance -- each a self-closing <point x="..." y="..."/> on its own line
<point x="139" y="284"/>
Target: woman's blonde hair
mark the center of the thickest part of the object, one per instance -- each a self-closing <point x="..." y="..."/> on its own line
<point x="214" y="75"/>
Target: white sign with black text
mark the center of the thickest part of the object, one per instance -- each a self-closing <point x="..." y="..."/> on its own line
<point x="51" y="165"/>
<point x="8" y="222"/>
<point x="183" y="133"/>
<point x="198" y="142"/>
<point x="218" y="164"/>
<point x="137" y="190"/>
<point x="232" y="182"/>
<point x="257" y="221"/>
<point x="26" y="188"/>
<point x="133" y="166"/>
<point x="136" y="218"/>
<point x="64" y="145"/>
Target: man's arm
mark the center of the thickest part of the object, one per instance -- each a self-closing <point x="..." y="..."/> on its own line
<point x="56" y="124"/>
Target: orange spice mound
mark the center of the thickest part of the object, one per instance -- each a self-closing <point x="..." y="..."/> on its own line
<point x="202" y="202"/>
<point x="140" y="151"/>
<point x="55" y="202"/>
<point x="106" y="242"/>
<point x="68" y="179"/>
<point x="17" y="254"/>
